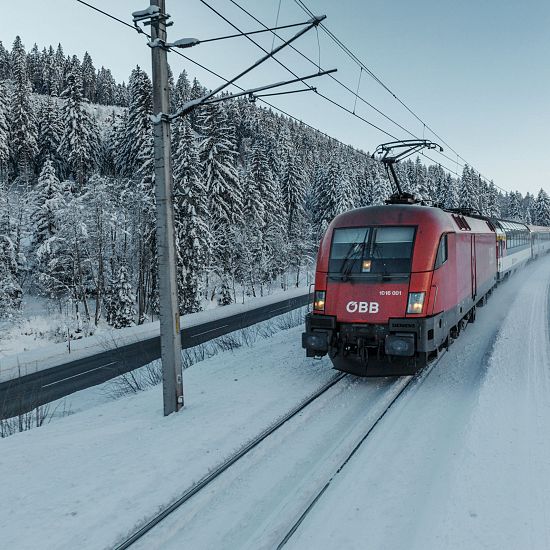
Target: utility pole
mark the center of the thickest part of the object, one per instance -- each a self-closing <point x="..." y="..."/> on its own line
<point x="170" y="340"/>
<point x="156" y="17"/>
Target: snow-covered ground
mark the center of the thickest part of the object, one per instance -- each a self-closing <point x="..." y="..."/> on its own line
<point x="86" y="480"/>
<point x="461" y="460"/>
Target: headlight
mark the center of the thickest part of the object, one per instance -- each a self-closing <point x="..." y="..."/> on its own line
<point x="319" y="300"/>
<point x="365" y="266"/>
<point x="416" y="302"/>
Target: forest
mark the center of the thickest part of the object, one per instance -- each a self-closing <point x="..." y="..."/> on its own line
<point x="253" y="192"/>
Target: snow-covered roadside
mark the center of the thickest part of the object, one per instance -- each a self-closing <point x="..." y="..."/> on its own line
<point x="500" y="492"/>
<point x="88" y="479"/>
<point x="465" y="463"/>
<point x="20" y="364"/>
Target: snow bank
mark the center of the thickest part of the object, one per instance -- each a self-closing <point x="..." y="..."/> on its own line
<point x="500" y="496"/>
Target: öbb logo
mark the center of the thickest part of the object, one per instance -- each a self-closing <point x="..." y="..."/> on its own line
<point x="362" y="307"/>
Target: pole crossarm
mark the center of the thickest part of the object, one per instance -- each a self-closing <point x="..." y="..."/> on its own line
<point x="190" y="42"/>
<point x="193" y="104"/>
<point x="314" y="22"/>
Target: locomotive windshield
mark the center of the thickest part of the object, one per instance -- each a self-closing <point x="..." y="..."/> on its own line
<point x="371" y="250"/>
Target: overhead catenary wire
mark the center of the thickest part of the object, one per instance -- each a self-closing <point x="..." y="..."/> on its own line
<point x="217" y="75"/>
<point x="341" y="45"/>
<point x="334" y="78"/>
<point x="270" y="105"/>
<point x="217" y="12"/>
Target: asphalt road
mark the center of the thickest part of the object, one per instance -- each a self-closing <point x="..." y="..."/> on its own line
<point x="28" y="392"/>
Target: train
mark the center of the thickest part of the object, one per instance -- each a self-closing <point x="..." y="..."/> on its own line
<point x="395" y="284"/>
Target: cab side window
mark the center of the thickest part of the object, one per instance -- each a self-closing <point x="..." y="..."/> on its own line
<point x="442" y="253"/>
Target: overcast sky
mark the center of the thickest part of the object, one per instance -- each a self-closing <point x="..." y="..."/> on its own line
<point x="477" y="72"/>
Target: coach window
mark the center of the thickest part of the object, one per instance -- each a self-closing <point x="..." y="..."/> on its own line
<point x="441" y="257"/>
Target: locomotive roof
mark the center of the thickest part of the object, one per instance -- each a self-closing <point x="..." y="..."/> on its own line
<point x="404" y="214"/>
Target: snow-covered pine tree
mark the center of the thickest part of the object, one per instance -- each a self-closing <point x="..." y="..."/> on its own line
<point x="23" y="128"/>
<point x="120" y="302"/>
<point x="88" y="78"/>
<point x="105" y="87"/>
<point x="191" y="219"/>
<point x="50" y="130"/>
<point x="326" y="198"/>
<point x="542" y="209"/>
<point x="423" y="185"/>
<point x="34" y="69"/>
<point x="380" y="187"/>
<point x="4" y="133"/>
<point x="468" y="193"/>
<point x="448" y="193"/>
<point x="513" y="211"/>
<point x="10" y="290"/>
<point x="108" y="143"/>
<point x="49" y="80"/>
<point x="527" y="208"/>
<point x="219" y="155"/>
<point x="4" y="62"/>
<point x="59" y="64"/>
<point x="138" y="131"/>
<point x="269" y="194"/>
<point x="196" y="117"/>
<point x="80" y="139"/>
<point x="122" y="96"/>
<point x="48" y="200"/>
<point x="493" y="209"/>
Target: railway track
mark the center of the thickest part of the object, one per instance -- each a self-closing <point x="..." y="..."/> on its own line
<point x="374" y="409"/>
<point x="224" y="466"/>
<point x="414" y="381"/>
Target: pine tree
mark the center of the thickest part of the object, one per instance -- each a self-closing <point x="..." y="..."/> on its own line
<point x="328" y="193"/>
<point x="380" y="188"/>
<point x="50" y="130"/>
<point x="34" y="69"/>
<point x="263" y="210"/>
<point x="10" y="290"/>
<point x="49" y="73"/>
<point x="493" y="209"/>
<point x="88" y="78"/>
<point x="468" y="193"/>
<point x="137" y="135"/>
<point x="80" y="139"/>
<point x="293" y="189"/>
<point x="514" y="206"/>
<point x="542" y="209"/>
<point x="4" y="129"/>
<point x="105" y="87"/>
<point x="23" y="130"/>
<point x="120" y="300"/>
<point x="219" y="156"/>
<point x="191" y="220"/>
<point x="48" y="200"/>
<point x="4" y="63"/>
<point x="59" y="65"/>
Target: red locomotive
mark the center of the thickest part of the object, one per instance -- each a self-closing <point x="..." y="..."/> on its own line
<point x="395" y="283"/>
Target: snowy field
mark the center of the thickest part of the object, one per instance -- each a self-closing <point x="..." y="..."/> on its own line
<point x="461" y="461"/>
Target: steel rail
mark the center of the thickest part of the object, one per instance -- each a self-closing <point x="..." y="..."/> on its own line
<point x="416" y="379"/>
<point x="225" y="465"/>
